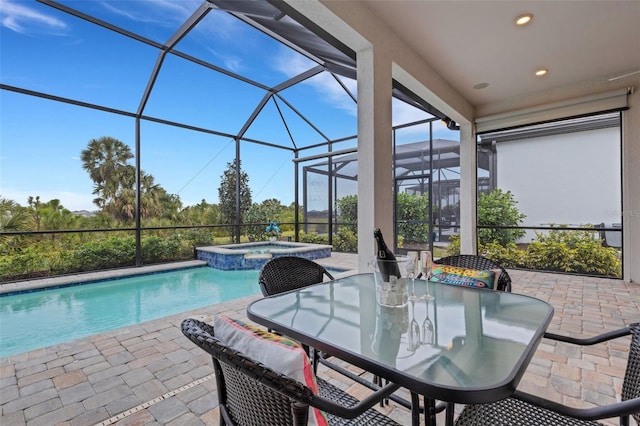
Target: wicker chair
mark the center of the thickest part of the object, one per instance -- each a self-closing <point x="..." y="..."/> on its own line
<point x="250" y="393"/>
<point x="526" y="409"/>
<point x="478" y="262"/>
<point x="286" y="273"/>
<point x="472" y="262"/>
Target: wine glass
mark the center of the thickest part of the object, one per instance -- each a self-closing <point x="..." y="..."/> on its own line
<point x="412" y="266"/>
<point x="426" y="261"/>
<point x="427" y="327"/>
<point x="414" y="329"/>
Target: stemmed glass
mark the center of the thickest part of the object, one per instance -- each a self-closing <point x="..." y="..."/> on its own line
<point x="425" y="264"/>
<point x="412" y="264"/>
<point x="414" y="329"/>
<point x="427" y="327"/>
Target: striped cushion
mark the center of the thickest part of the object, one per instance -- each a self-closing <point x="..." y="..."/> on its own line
<point x="276" y="352"/>
<point x="462" y="276"/>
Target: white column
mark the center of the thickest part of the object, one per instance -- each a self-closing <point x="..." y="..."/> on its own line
<point x="631" y="188"/>
<point x="375" y="178"/>
<point x="468" y="189"/>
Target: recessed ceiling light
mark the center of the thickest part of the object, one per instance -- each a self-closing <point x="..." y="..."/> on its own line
<point x="481" y="86"/>
<point x="541" y="72"/>
<point x="524" y="19"/>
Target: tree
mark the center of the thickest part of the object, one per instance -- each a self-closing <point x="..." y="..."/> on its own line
<point x="106" y="161"/>
<point x="499" y="209"/>
<point x="414" y="208"/>
<point x="13" y="218"/>
<point x="34" y="205"/>
<point x="114" y="182"/>
<point x="227" y="196"/>
<point x="56" y="217"/>
<point x="270" y="210"/>
<point x="348" y="212"/>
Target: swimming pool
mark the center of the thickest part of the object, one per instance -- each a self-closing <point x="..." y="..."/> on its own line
<point x="37" y="319"/>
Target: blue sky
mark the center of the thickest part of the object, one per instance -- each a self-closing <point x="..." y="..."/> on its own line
<point x="45" y="50"/>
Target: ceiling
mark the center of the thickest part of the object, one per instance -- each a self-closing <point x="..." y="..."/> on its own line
<point x="472" y="42"/>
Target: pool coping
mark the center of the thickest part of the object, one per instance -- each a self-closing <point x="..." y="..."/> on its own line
<point x="86" y="277"/>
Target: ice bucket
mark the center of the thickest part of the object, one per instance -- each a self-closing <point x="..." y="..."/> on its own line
<point x="391" y="291"/>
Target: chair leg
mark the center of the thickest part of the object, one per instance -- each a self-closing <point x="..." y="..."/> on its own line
<point x="300" y="413"/>
<point x="377" y="380"/>
<point x="449" y="414"/>
<point x="415" y="409"/>
<point x="430" y="411"/>
<point x="314" y="355"/>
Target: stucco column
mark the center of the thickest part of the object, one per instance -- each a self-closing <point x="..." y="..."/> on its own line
<point x="630" y="188"/>
<point x="468" y="189"/>
<point x="375" y="177"/>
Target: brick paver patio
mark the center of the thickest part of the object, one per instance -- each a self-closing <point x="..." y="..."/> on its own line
<point x="150" y="374"/>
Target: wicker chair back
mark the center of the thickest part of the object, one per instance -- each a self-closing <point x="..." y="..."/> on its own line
<point x="286" y="273"/>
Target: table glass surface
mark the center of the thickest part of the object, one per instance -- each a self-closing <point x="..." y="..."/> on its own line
<point x="464" y="345"/>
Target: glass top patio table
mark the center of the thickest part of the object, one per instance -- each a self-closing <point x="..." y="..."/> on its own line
<point x="466" y="345"/>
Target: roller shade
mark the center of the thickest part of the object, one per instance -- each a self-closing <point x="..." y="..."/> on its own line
<point x="609" y="101"/>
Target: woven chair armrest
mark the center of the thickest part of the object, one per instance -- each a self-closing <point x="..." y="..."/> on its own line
<point x="617" y="409"/>
<point x="590" y="340"/>
<point x="353" y="411"/>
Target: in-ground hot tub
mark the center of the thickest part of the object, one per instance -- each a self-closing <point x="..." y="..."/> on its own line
<point x="231" y="257"/>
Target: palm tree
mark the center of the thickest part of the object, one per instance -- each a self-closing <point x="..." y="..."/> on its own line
<point x="56" y="217"/>
<point x="34" y="204"/>
<point x="106" y="161"/>
<point x="13" y="218"/>
<point x="151" y="198"/>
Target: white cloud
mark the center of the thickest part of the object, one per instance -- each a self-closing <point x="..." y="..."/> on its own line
<point x="232" y="63"/>
<point x="291" y="64"/>
<point x="404" y="113"/>
<point x="162" y="12"/>
<point x="221" y="25"/>
<point x="21" y="18"/>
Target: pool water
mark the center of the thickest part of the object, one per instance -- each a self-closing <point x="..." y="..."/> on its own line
<point x="42" y="318"/>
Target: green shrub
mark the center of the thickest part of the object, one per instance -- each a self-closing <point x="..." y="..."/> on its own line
<point x="199" y="237"/>
<point x="416" y="207"/>
<point x="348" y="212"/>
<point x="573" y="251"/>
<point x="313" y="238"/>
<point x="509" y="256"/>
<point x="345" y="240"/>
<point x="559" y="251"/>
<point x="454" y="245"/>
<point x="499" y="209"/>
<point x="156" y="249"/>
<point x="112" y="252"/>
<point x="28" y="261"/>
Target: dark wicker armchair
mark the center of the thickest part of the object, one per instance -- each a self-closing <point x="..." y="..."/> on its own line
<point x="286" y="273"/>
<point x="478" y="262"/>
<point x="250" y="393"/>
<point x="526" y="409"/>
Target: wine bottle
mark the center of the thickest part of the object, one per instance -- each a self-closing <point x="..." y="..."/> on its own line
<point x="387" y="263"/>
